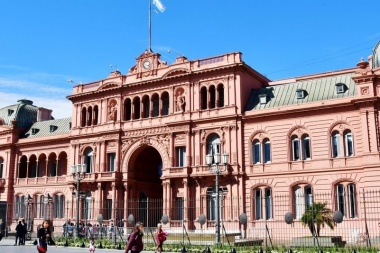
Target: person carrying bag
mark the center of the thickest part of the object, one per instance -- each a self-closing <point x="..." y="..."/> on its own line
<point x="135" y="243"/>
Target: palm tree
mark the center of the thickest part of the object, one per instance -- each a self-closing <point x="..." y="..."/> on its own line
<point x="316" y="216"/>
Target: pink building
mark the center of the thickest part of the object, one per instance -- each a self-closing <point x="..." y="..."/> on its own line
<point x="145" y="134"/>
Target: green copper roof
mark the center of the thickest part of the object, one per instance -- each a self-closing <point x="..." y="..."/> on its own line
<point x="24" y="112"/>
<point x="318" y="89"/>
<point x="49" y="128"/>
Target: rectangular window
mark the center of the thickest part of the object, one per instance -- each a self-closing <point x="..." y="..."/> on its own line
<point x="178" y="209"/>
<point x="340" y="198"/>
<point x="59" y="206"/>
<point x="108" y="213"/>
<point x="298" y="203"/>
<point x="87" y="210"/>
<point x="1" y="169"/>
<point x="268" y="204"/>
<point x="111" y="157"/>
<point x="258" y="205"/>
<point x="211" y="208"/>
<point x="352" y="200"/>
<point x="295" y="149"/>
<point x="256" y="152"/>
<point x="308" y="197"/>
<point x="267" y="153"/>
<point x="181" y="156"/>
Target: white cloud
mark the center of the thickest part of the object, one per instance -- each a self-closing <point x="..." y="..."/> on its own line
<point x="61" y="106"/>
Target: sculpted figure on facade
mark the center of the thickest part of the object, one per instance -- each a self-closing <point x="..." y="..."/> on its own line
<point x="180" y="102"/>
<point x="112" y="112"/>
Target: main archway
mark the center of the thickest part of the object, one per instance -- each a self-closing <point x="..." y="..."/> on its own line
<point x="145" y="171"/>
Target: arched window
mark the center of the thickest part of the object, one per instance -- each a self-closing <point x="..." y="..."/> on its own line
<point x="348" y="143"/>
<point x="212" y="97"/>
<point x="204" y="98"/>
<point x="337" y="143"/>
<point x="261" y="151"/>
<point x="146" y="106"/>
<point x="96" y="115"/>
<point x="346" y="199"/>
<point x="156" y="105"/>
<point x="263" y="204"/>
<point x="83" y="117"/>
<point x="59" y="206"/>
<point x="1" y="167"/>
<point x="32" y="171"/>
<point x="165" y="103"/>
<point x="302" y="198"/>
<point x="213" y="145"/>
<point x="301" y="149"/>
<point x="220" y="95"/>
<point x="127" y="109"/>
<point x="89" y="122"/>
<point x="136" y="108"/>
<point x="88" y="159"/>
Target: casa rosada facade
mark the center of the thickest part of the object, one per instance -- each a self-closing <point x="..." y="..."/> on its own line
<point x="145" y="135"/>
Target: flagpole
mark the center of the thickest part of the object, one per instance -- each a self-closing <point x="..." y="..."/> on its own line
<point x="150" y="27"/>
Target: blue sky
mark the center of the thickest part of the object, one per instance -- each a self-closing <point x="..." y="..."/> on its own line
<point x="43" y="43"/>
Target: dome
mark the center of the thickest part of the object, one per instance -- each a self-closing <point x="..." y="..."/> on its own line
<point x="25" y="113"/>
<point x="376" y="56"/>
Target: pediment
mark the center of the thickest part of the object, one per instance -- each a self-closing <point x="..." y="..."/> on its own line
<point x="107" y="86"/>
<point x="176" y="72"/>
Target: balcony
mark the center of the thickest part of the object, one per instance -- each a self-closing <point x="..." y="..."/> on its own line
<point x="41" y="180"/>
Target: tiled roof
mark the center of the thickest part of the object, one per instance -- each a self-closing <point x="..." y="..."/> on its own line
<point x="24" y="112"/>
<point x="318" y="89"/>
<point x="49" y="128"/>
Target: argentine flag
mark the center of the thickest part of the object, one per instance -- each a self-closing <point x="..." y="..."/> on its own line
<point x="159" y="5"/>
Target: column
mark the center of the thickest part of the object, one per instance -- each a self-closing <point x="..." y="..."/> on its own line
<point x="100" y="199"/>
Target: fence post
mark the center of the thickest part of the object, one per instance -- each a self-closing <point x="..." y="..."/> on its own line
<point x="368" y="242"/>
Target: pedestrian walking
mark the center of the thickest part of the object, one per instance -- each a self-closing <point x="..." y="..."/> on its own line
<point x="19" y="233"/>
<point x="44" y="237"/>
<point x="160" y="236"/>
<point x="24" y="232"/>
<point x="135" y="243"/>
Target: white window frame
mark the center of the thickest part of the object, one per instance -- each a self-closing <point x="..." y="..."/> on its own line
<point x="306" y="144"/>
<point x="335" y="145"/>
<point x="295" y="148"/>
<point x="181" y="156"/>
<point x="347" y="144"/>
<point x="256" y="152"/>
<point x="346" y="199"/>
<point x="267" y="145"/>
<point x="111" y="159"/>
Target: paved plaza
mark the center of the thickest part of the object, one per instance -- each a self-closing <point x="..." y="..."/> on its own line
<point x="6" y="246"/>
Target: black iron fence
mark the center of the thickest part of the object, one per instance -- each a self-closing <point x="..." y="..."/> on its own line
<point x="255" y="220"/>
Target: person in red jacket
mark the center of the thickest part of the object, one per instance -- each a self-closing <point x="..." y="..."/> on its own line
<point x="135" y="241"/>
<point x="160" y="237"/>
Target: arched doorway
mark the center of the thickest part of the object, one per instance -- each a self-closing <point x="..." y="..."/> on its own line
<point x="144" y="172"/>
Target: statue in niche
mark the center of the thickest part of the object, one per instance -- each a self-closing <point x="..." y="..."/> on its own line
<point x="112" y="113"/>
<point x="181" y="102"/>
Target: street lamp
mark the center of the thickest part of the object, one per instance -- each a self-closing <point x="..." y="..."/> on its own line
<point x="28" y="202"/>
<point x="78" y="171"/>
<point x="214" y="168"/>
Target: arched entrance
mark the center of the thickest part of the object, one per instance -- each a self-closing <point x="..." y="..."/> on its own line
<point x="144" y="171"/>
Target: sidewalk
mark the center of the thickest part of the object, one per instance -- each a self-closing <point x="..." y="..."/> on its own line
<point x="9" y="241"/>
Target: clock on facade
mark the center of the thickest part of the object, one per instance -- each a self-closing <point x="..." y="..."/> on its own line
<point x="146" y="64"/>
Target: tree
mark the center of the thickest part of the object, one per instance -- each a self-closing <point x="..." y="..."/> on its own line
<point x="316" y="216"/>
